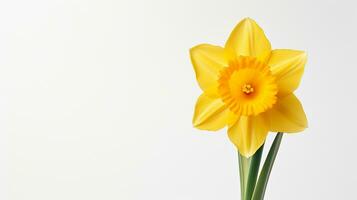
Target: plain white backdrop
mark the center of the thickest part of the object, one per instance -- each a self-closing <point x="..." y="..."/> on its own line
<point x="97" y="97"/>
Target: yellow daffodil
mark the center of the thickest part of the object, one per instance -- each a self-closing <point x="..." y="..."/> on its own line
<point x="248" y="87"/>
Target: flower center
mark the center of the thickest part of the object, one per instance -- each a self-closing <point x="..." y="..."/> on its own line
<point x="247" y="86"/>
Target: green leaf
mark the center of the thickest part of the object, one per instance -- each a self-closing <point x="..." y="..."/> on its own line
<point x="253" y="173"/>
<point x="260" y="188"/>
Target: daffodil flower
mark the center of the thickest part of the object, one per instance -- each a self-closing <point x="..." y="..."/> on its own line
<point x="248" y="87"/>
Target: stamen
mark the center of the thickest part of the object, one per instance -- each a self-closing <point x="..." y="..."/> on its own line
<point x="247" y="88"/>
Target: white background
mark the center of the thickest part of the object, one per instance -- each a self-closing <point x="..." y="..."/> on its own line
<point x="97" y="97"/>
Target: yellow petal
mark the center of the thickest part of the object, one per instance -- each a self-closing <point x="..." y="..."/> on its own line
<point x="210" y="113"/>
<point x="207" y="61"/>
<point x="287" y="115"/>
<point x="248" y="39"/>
<point x="248" y="134"/>
<point x="287" y="66"/>
<point x="232" y="118"/>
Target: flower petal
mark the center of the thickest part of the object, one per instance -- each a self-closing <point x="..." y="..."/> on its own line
<point x="287" y="66"/>
<point x="287" y="115"/>
<point x="207" y="61"/>
<point x="248" y="134"/>
<point x="248" y="39"/>
<point x="210" y="113"/>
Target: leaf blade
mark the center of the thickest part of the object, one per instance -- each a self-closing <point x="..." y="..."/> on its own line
<point x="262" y="183"/>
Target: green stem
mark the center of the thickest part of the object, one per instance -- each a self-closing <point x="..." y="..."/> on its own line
<point x="260" y="188"/>
<point x="244" y="164"/>
<point x="253" y="173"/>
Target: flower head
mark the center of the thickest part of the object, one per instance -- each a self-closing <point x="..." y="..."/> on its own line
<point x="248" y="87"/>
